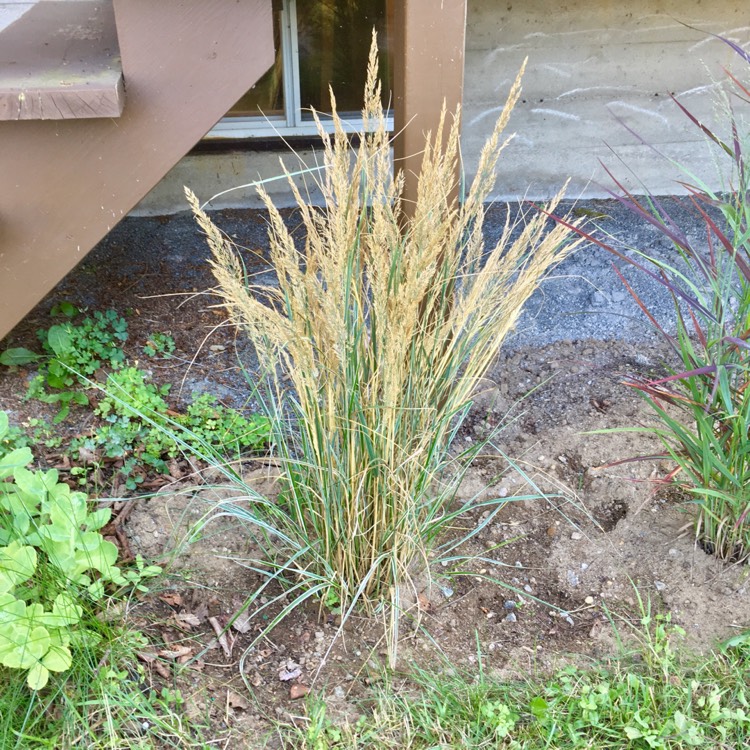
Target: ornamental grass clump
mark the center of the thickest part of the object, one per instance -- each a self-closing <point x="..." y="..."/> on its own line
<point x="703" y="406"/>
<point x="374" y="341"/>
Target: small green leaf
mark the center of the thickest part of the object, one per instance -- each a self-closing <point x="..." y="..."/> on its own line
<point x="27" y="647"/>
<point x="96" y="590"/>
<point x="17" y="357"/>
<point x="65" y="611"/>
<point x="38" y="676"/>
<point x="100" y="556"/>
<point x="68" y="309"/>
<point x="57" y="659"/>
<point x="60" y="416"/>
<point x="632" y="733"/>
<point x="737" y="640"/>
<point x="17" y="458"/>
<point x="98" y="518"/>
<point x="539" y="707"/>
<point x="59" y="340"/>
<point x="17" y="564"/>
<point x="11" y="610"/>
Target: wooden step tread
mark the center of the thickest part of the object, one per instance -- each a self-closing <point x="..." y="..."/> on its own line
<point x="61" y="60"/>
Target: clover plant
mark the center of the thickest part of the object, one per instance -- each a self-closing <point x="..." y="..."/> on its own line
<point x="52" y="556"/>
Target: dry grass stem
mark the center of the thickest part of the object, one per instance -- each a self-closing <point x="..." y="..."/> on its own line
<point x="385" y="325"/>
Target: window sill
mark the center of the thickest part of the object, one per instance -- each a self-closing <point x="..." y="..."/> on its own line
<point x="250" y="129"/>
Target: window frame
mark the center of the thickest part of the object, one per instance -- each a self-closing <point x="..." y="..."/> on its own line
<point x="291" y="123"/>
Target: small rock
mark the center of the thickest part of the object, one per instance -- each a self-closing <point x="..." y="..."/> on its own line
<point x="673" y="552"/>
<point x="447" y="591"/>
<point x="297" y="691"/>
<point x="235" y="700"/>
<point x="572" y="578"/>
<point x="242" y="622"/>
<point x="576" y="535"/>
<point x="660" y="585"/>
<point x="289" y="670"/>
<point x="528" y="589"/>
<point x="584" y="566"/>
<point x="509" y="605"/>
<point x="551" y="531"/>
<point x="589" y="600"/>
<point x="339" y="692"/>
<point x="511" y="617"/>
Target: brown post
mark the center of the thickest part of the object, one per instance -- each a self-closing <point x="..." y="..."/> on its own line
<point x="428" y="54"/>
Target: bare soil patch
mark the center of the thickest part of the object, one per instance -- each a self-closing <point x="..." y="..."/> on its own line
<point x="545" y="571"/>
<point x="538" y="580"/>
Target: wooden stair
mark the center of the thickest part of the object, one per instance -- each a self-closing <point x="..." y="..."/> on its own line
<point x="98" y="100"/>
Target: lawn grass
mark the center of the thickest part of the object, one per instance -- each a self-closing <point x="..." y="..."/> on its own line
<point x="105" y="700"/>
<point x="651" y="696"/>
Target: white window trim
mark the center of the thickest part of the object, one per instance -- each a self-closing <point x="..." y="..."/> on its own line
<point x="291" y="124"/>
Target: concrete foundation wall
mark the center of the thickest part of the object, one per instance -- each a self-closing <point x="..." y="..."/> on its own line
<point x="596" y="67"/>
<point x="224" y="174"/>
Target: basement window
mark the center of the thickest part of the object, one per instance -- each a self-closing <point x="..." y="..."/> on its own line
<point x="318" y="43"/>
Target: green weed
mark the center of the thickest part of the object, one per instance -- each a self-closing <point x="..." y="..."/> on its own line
<point x="102" y="701"/>
<point x="69" y="666"/>
<point x="137" y="424"/>
<point x="34" y="432"/>
<point x="161" y="344"/>
<point x="72" y="352"/>
<point x="52" y="555"/>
